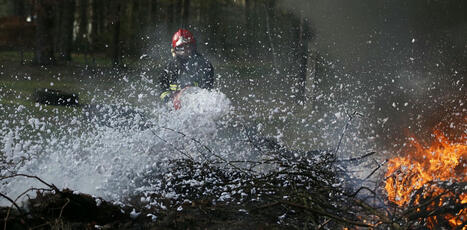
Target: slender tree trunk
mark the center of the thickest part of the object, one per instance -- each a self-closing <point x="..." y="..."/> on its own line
<point x="170" y="17"/>
<point x="185" y="13"/>
<point x="101" y="16"/>
<point x="303" y="42"/>
<point x="44" y="45"/>
<point x="96" y="27"/>
<point x="269" y="6"/>
<point x="154" y="14"/>
<point x="95" y="23"/>
<point x="312" y="72"/>
<point x="217" y="38"/>
<point x="145" y="15"/>
<point x="178" y="13"/>
<point x="198" y="10"/>
<point x="32" y="9"/>
<point x="248" y="28"/>
<point x="59" y="7"/>
<point x="82" y="37"/>
<point x="145" y="24"/>
<point x="19" y="8"/>
<point x="116" y="51"/>
<point x="65" y="27"/>
<point x="138" y="17"/>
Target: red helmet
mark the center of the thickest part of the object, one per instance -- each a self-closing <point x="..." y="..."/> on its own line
<point x="182" y="37"/>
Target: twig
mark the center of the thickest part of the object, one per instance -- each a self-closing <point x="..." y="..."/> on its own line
<point x="61" y="211"/>
<point x="358" y="158"/>
<point x="324" y="224"/>
<point x="462" y="226"/>
<point x="384" y="218"/>
<point x="31" y="189"/>
<point x="266" y="206"/>
<point x="409" y="213"/>
<point x="34" y="177"/>
<point x="250" y="139"/>
<point x="360" y="189"/>
<point x="41" y="225"/>
<point x="12" y="202"/>
<point x="210" y="151"/>
<point x="9" y="209"/>
<point x="193" y="139"/>
<point x="178" y="150"/>
<point x="350" y="116"/>
<point x="340" y="219"/>
<point x="376" y="169"/>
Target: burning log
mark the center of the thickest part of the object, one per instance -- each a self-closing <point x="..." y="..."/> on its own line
<point x="430" y="184"/>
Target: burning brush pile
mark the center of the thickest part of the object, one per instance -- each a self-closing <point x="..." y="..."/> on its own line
<point x="293" y="190"/>
<point x="428" y="186"/>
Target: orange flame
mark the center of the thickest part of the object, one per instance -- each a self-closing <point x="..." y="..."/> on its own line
<point x="443" y="161"/>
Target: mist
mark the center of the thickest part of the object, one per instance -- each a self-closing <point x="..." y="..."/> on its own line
<point x="406" y="58"/>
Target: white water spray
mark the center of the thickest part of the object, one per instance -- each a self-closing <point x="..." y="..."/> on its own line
<point x="109" y="152"/>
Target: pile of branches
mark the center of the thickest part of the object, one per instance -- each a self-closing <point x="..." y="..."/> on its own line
<point x="288" y="189"/>
<point x="52" y="208"/>
<point x="297" y="191"/>
<point x="293" y="190"/>
<point x="63" y="210"/>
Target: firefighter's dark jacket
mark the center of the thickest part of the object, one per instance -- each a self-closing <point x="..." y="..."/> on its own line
<point x="180" y="73"/>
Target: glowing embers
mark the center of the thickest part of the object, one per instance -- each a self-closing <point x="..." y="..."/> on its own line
<point x="431" y="182"/>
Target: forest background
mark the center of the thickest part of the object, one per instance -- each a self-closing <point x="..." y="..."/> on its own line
<point x="310" y="50"/>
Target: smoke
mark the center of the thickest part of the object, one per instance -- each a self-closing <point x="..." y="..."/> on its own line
<point x="404" y="60"/>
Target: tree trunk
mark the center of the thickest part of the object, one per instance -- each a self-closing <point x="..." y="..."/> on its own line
<point x="270" y="30"/>
<point x="178" y="13"/>
<point x="145" y="13"/>
<point x="116" y="51"/>
<point x="19" y="8"/>
<point x="95" y="21"/>
<point x="312" y="71"/>
<point x="215" y="23"/>
<point x="197" y="12"/>
<point x="170" y="17"/>
<point x="185" y="13"/>
<point x="154" y="14"/>
<point x="82" y="37"/>
<point x="303" y="39"/>
<point x="248" y="28"/>
<point x="65" y="28"/>
<point x="44" y="45"/>
<point x="136" y="23"/>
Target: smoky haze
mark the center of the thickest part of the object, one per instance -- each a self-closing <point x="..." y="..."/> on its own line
<point x="408" y="59"/>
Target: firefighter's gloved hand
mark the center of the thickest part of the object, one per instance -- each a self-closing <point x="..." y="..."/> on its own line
<point x="167" y="96"/>
<point x="177" y="98"/>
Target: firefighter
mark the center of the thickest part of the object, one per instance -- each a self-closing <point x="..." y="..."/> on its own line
<point x="187" y="68"/>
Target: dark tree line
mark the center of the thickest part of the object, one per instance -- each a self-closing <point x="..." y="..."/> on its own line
<point x="120" y="30"/>
<point x="249" y="25"/>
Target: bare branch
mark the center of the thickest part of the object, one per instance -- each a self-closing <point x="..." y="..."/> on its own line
<point x="34" y="177"/>
<point x="12" y="202"/>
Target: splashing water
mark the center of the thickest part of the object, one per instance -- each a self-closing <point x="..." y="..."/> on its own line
<point x="104" y="150"/>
